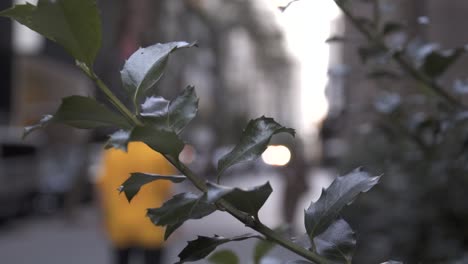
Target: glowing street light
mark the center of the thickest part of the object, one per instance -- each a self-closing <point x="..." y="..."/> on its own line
<point x="276" y="155"/>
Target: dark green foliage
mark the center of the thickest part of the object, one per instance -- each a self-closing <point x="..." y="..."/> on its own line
<point x="146" y="66"/>
<point x="179" y="209"/>
<point x="343" y="191"/>
<point x="85" y="112"/>
<point x="82" y="112"/>
<point x="158" y="123"/>
<point x="437" y="62"/>
<point x="173" y="115"/>
<point x="74" y="24"/>
<point x="224" y="257"/>
<point x="334" y="39"/>
<point x="392" y="27"/>
<point x="203" y="246"/>
<point x="415" y="136"/>
<point x="133" y="184"/>
<point x="253" y="142"/>
<point x="161" y="141"/>
<point x="248" y="201"/>
<point x="337" y="243"/>
<point x="118" y="140"/>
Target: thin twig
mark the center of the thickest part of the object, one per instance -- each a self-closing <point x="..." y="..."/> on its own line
<point x="428" y="84"/>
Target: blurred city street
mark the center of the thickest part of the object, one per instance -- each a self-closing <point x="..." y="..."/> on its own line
<point x="80" y="239"/>
<point x="289" y="92"/>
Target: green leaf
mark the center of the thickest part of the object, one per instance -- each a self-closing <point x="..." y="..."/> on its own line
<point x="118" y="140"/>
<point x="174" y="115"/>
<point x="336" y="39"/>
<point x="47" y="119"/>
<point x="85" y="112"/>
<point x="384" y="74"/>
<point x="392" y="27"/>
<point x="146" y="66"/>
<point x="224" y="257"/>
<point x="262" y="248"/>
<point x="253" y="143"/>
<point x="367" y="53"/>
<point x="183" y="109"/>
<point x="299" y="262"/>
<point x="74" y="24"/>
<point x="164" y="142"/>
<point x="82" y="112"/>
<point x="155" y="107"/>
<point x="337" y="243"/>
<point x="364" y="21"/>
<point x="249" y="201"/>
<point x="203" y="246"/>
<point x="136" y="180"/>
<point x="179" y="209"/>
<point x="343" y="190"/>
<point x="437" y="61"/>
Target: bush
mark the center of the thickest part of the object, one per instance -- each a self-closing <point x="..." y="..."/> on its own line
<point x="158" y="122"/>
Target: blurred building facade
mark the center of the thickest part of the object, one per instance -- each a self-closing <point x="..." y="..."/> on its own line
<point x="245" y="67"/>
<point x="247" y="63"/>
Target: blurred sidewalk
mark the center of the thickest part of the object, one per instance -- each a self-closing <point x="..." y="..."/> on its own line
<point x="53" y="240"/>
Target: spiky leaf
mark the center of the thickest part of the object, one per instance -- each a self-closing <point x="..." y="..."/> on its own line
<point x="118" y="140"/>
<point x="162" y="141"/>
<point x="155" y="107"/>
<point x="253" y="143"/>
<point x="179" y="209"/>
<point x="86" y="112"/>
<point x="74" y="24"/>
<point x="392" y="27"/>
<point x="336" y="39"/>
<point x="145" y="67"/>
<point x="437" y="61"/>
<point x="224" y="257"/>
<point x="337" y="243"/>
<point x="173" y="115"/>
<point x="203" y="246"/>
<point x="183" y="109"/>
<point x="249" y="201"/>
<point x="370" y="52"/>
<point x="82" y="112"/>
<point x="343" y="191"/>
<point x="136" y="180"/>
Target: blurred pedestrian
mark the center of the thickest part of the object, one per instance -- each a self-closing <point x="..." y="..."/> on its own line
<point x="131" y="233"/>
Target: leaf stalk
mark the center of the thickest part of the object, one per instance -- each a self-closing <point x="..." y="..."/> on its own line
<point x="114" y="100"/>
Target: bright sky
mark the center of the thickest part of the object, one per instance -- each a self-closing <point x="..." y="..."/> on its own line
<point x="307" y="25"/>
